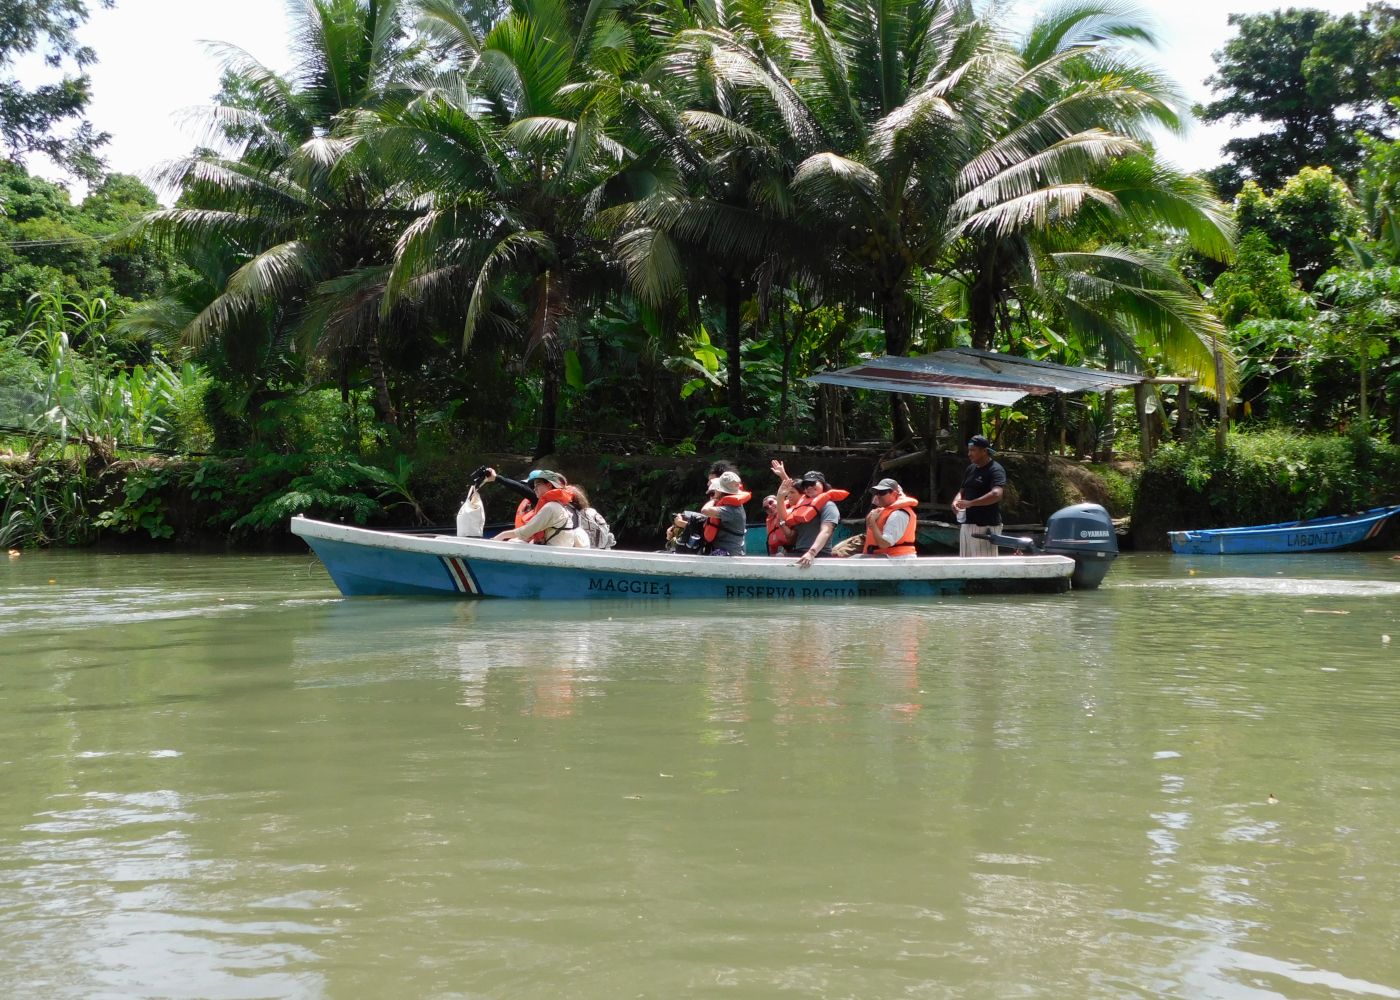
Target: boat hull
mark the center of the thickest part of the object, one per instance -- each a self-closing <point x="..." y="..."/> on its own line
<point x="364" y="562"/>
<point x="1323" y="534"/>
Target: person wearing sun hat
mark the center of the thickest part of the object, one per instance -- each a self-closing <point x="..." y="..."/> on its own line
<point x="979" y="500"/>
<point x="724" y="510"/>
<point x="555" y="518"/>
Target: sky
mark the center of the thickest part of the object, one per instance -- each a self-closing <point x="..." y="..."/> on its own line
<point x="154" y="66"/>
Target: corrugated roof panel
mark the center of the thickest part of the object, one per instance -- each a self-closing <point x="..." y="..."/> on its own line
<point x="915" y="384"/>
<point x="974" y="377"/>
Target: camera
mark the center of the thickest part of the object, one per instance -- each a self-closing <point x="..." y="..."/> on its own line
<point x="691" y="538"/>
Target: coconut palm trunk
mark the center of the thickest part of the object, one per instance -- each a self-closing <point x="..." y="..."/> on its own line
<point x="546" y="441"/>
<point x="733" y="344"/>
<point x="383" y="398"/>
<point x="894" y="312"/>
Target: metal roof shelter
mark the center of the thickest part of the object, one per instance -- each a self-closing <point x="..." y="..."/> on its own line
<point x="970" y="376"/>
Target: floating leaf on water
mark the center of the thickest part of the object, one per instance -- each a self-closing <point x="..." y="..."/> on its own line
<point x="1323" y="611"/>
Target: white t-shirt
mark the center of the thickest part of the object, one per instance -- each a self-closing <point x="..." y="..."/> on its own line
<point x="894" y="527"/>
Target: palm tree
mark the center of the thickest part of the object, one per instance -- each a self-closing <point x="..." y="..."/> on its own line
<point x="922" y="141"/>
<point x="508" y="159"/>
<point x="299" y="220"/>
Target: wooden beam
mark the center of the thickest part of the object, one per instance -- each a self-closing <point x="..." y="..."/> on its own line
<point x="1144" y="425"/>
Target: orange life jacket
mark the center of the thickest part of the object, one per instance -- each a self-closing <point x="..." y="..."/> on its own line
<point x="526" y="509"/>
<point x="780" y="536"/>
<point x="905" y="545"/>
<point x="808" y="508"/>
<point x="711" y="529"/>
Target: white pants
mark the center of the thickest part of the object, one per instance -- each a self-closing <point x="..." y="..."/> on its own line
<point x="969" y="546"/>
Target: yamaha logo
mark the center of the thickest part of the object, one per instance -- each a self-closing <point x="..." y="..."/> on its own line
<point x="1093" y="534"/>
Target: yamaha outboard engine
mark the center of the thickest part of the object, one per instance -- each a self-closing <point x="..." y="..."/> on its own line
<point x="1083" y="532"/>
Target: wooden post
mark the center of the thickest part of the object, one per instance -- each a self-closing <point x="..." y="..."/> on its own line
<point x="1108" y="425"/>
<point x="1144" y="428"/>
<point x="1183" y="411"/>
<point x="1222" y="398"/>
<point x="935" y="414"/>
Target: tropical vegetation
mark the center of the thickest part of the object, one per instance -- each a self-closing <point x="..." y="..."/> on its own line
<point x="636" y="226"/>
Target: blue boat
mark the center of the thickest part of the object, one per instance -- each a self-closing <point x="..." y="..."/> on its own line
<point x="1320" y="534"/>
<point x="365" y="561"/>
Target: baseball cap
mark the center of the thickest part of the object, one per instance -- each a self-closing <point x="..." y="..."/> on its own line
<point x="553" y="478"/>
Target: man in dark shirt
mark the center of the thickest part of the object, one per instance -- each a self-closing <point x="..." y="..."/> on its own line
<point x="979" y="500"/>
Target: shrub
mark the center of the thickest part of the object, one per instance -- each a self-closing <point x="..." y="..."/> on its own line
<point x="1273" y="475"/>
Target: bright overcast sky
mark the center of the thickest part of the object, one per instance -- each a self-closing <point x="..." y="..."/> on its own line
<point x="153" y="64"/>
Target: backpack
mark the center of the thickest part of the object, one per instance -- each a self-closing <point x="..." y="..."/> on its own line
<point x="600" y="536"/>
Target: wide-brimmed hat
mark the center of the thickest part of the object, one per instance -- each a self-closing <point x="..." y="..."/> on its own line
<point x="549" y="476"/>
<point x="727" y="482"/>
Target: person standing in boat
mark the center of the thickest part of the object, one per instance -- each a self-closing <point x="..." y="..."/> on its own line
<point x="555" y="518"/>
<point x="979" y="500"/>
<point x="808" y="504"/>
<point x="891" y="526"/>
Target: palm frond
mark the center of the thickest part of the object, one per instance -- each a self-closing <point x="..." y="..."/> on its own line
<point x="652" y="264"/>
<point x="272" y="275"/>
<point x="503" y="257"/>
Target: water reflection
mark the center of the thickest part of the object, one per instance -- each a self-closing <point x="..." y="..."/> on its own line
<point x="1178" y="785"/>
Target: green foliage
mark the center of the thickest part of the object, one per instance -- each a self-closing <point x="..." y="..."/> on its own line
<point x="1307" y="218"/>
<point x="1259" y="284"/>
<point x="333" y="487"/>
<point x="30" y="118"/>
<point x="46" y="504"/>
<point x="84" y="394"/>
<point x="1315" y="79"/>
<point x="142" y="507"/>
<point x="47" y="244"/>
<point x="1274" y="475"/>
<point x="1120" y="486"/>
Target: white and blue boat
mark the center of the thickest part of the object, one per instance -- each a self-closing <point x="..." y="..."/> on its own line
<point x="366" y="561"/>
<point x="1320" y="534"/>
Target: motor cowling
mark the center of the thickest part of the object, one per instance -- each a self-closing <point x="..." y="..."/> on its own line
<point x="1084" y="533"/>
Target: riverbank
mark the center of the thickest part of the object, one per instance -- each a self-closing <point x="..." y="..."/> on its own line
<point x="244" y="503"/>
<point x="212" y="503"/>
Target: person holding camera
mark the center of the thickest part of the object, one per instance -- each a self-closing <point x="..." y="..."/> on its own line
<point x="717" y="529"/>
<point x="553" y="518"/>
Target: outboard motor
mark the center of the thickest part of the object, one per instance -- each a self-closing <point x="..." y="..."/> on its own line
<point x="1083" y="532"/>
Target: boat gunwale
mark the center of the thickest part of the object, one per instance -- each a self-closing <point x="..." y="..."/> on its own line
<point x="761" y="568"/>
<point x="1281" y="527"/>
